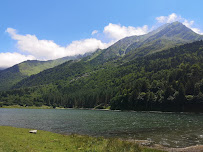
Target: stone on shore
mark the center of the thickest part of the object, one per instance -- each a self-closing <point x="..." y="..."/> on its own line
<point x="33" y="131"/>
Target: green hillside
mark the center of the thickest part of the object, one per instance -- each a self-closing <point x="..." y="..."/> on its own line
<point x="164" y="37"/>
<point x="145" y="77"/>
<point x="167" y="36"/>
<point x="170" y="80"/>
<point x="13" y="75"/>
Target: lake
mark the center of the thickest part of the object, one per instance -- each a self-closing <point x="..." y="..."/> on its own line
<point x="168" y="129"/>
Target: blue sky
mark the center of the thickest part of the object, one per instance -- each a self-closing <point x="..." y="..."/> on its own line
<point x="49" y="29"/>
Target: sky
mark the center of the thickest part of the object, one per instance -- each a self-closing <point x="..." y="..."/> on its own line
<point x="51" y="29"/>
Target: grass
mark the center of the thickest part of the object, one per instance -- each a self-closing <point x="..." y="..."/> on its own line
<point x="20" y="140"/>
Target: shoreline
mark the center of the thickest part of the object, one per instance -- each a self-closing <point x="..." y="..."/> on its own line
<point x="196" y="148"/>
<point x="19" y="139"/>
<point x="141" y="143"/>
<point x="28" y="107"/>
<point x="62" y="108"/>
<point x="146" y="143"/>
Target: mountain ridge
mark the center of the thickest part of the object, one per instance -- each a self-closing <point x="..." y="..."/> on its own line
<point x="164" y="37"/>
<point x="150" y="43"/>
<point x="16" y="73"/>
<point x="125" y="50"/>
<point x="170" y="80"/>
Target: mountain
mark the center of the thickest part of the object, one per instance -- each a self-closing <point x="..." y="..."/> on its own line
<point x="170" y="80"/>
<point x="157" y="71"/>
<point x="168" y="35"/>
<point x="12" y="75"/>
<point x="124" y="50"/>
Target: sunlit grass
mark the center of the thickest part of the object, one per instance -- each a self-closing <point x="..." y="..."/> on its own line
<point x="19" y="139"/>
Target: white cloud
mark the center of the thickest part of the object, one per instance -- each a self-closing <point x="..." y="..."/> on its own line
<point x="174" y="17"/>
<point x="47" y="49"/>
<point x="190" y="24"/>
<point x="10" y="59"/>
<point x="94" y="32"/>
<point x="116" y="31"/>
<point x="87" y="45"/>
<point x="168" y="19"/>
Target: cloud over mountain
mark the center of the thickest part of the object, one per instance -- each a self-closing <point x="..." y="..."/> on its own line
<point x="10" y="59"/>
<point x="117" y="32"/>
<point x="168" y="19"/>
<point x="48" y="49"/>
<point x="174" y="17"/>
<point x="34" y="48"/>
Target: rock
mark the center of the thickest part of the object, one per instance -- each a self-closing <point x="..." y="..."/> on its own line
<point x="147" y="143"/>
<point x="33" y="131"/>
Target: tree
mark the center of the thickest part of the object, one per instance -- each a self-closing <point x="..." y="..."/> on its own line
<point x="181" y="97"/>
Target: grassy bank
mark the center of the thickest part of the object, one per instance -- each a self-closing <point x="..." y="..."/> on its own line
<point x="19" y="139"/>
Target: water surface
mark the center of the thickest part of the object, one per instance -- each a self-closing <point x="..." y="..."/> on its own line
<point x="168" y="129"/>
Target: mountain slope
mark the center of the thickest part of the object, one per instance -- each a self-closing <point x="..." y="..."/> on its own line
<point x="12" y="75"/>
<point x="163" y="38"/>
<point x="126" y="49"/>
<point x="169" y="80"/>
<point x="169" y="36"/>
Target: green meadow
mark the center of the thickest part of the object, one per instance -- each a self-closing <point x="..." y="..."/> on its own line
<point x="20" y="140"/>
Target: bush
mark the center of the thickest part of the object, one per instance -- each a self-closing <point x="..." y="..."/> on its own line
<point x="54" y="105"/>
<point x="38" y="104"/>
<point x="30" y="103"/>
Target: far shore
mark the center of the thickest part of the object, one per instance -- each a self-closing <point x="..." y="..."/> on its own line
<point x="27" y="107"/>
<point x="105" y="109"/>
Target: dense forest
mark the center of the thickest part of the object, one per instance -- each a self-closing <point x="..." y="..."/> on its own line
<point x="171" y="80"/>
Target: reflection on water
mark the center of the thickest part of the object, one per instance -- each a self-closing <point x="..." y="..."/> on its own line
<point x="168" y="129"/>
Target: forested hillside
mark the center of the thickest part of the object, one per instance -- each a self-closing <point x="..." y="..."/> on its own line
<point x="171" y="80"/>
<point x="125" y="50"/>
<point x="12" y="75"/>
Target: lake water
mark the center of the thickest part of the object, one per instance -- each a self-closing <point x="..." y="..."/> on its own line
<point x="168" y="129"/>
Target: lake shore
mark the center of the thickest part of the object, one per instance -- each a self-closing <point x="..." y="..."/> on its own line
<point x="27" y="107"/>
<point x="50" y="107"/>
<point x="195" y="148"/>
<point x="19" y="139"/>
<point x="145" y="143"/>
